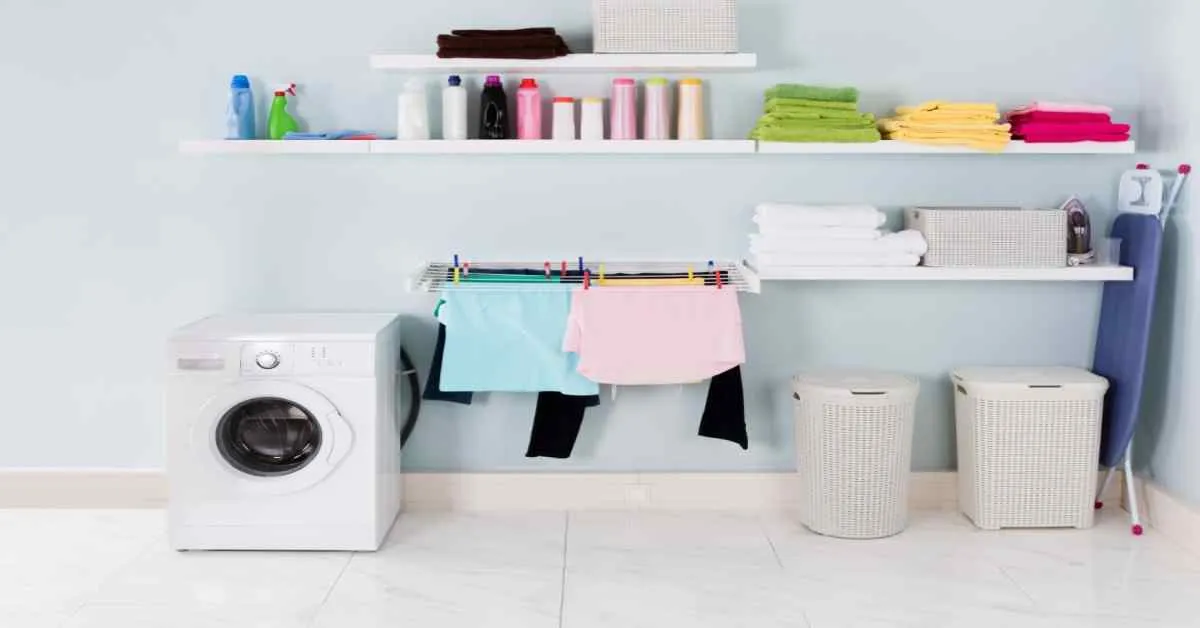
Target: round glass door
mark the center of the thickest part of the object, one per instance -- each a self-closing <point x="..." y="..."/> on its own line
<point x="268" y="437"/>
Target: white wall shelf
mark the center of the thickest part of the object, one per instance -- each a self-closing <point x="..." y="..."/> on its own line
<point x="272" y="147"/>
<point x="890" y="147"/>
<point x="923" y="273"/>
<point x="610" y="147"/>
<point x="551" y="147"/>
<point x="578" y="63"/>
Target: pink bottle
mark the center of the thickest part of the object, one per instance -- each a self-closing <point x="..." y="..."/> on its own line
<point x="624" y="110"/>
<point x="529" y="110"/>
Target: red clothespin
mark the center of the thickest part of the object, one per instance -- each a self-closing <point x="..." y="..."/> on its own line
<point x="547" y="270"/>
<point x="719" y="281"/>
<point x="467" y="269"/>
<point x="587" y="280"/>
<point x="564" y="269"/>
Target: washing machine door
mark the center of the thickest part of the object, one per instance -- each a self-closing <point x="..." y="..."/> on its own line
<point x="271" y="437"/>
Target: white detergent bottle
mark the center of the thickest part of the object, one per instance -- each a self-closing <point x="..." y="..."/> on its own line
<point x="412" y="122"/>
<point x="454" y="110"/>
<point x="1141" y="192"/>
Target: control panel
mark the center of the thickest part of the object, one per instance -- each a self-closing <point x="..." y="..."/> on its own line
<point x="316" y="358"/>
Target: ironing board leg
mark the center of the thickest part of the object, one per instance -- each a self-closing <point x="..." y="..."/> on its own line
<point x="1108" y="478"/>
<point x="1131" y="488"/>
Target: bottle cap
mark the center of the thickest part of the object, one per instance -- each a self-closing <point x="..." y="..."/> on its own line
<point x="493" y="80"/>
<point x="593" y="100"/>
<point x="658" y="82"/>
<point x="240" y="81"/>
<point x="528" y="82"/>
<point x="691" y="81"/>
<point x="564" y="99"/>
<point x="455" y="80"/>
<point x="624" y="81"/>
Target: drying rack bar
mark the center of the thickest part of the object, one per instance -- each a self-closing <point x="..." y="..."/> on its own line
<point x="527" y="276"/>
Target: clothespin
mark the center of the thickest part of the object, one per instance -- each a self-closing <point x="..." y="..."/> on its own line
<point x="587" y="280"/>
<point x="467" y="269"/>
<point x="719" y="281"/>
<point x="456" y="260"/>
<point x="456" y="274"/>
<point x="602" y="274"/>
<point x="691" y="274"/>
<point x="581" y="269"/>
<point x="564" y="269"/>
<point x="547" y="270"/>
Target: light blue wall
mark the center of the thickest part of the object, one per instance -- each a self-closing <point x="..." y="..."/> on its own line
<point x="1170" y="436"/>
<point x="109" y="239"/>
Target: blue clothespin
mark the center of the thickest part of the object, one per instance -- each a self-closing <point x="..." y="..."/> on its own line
<point x="456" y="260"/>
<point x="581" y="265"/>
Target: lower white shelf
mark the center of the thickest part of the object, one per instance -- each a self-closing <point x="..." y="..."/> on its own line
<point x="925" y="273"/>
<point x="577" y="147"/>
<point x="893" y="147"/>
<point x="275" y="147"/>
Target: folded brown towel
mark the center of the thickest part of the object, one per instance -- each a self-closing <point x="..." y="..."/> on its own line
<point x="516" y="32"/>
<point x="450" y="42"/>
<point x="509" y="53"/>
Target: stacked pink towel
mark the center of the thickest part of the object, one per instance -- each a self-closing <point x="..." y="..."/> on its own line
<point x="1047" y="122"/>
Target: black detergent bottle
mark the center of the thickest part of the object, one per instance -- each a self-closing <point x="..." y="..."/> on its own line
<point x="493" y="112"/>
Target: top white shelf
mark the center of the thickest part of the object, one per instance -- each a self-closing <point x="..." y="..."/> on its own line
<point x="631" y="63"/>
<point x="890" y="147"/>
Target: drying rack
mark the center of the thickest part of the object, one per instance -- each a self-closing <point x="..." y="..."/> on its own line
<point x="588" y="274"/>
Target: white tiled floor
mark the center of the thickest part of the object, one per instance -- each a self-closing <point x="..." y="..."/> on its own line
<point x="86" y="569"/>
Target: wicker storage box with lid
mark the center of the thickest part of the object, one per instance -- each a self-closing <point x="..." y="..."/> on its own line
<point x="1028" y="446"/>
<point x="665" y="26"/>
<point x="991" y="237"/>
<point x="854" y="433"/>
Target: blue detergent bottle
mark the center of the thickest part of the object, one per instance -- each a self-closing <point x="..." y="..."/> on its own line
<point x="239" y="118"/>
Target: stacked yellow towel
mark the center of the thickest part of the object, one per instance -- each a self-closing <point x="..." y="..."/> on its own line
<point x="949" y="124"/>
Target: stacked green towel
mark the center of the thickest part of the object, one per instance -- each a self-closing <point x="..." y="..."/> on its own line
<point x="803" y="113"/>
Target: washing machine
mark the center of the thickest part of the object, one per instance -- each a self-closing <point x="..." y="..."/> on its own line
<point x="282" y="432"/>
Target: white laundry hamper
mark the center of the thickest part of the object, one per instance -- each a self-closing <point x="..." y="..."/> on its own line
<point x="854" y="432"/>
<point x="1028" y="445"/>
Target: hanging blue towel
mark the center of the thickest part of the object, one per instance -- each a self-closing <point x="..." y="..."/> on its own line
<point x="509" y="341"/>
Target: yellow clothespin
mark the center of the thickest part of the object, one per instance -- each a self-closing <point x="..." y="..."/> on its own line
<point x="691" y="274"/>
<point x="602" y="274"/>
<point x="456" y="274"/>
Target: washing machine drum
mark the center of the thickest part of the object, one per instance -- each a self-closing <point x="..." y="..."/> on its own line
<point x="268" y="436"/>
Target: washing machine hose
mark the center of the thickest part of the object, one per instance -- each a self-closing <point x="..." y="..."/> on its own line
<point x="409" y="371"/>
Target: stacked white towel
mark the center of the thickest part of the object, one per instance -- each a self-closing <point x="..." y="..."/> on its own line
<point x="830" y="236"/>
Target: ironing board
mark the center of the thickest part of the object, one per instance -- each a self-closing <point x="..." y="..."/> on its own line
<point x="1123" y="340"/>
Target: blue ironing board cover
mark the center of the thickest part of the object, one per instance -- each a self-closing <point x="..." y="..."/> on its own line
<point x="1124" y="336"/>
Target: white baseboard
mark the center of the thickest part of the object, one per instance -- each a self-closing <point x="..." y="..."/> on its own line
<point x="1169" y="515"/>
<point x="84" y="488"/>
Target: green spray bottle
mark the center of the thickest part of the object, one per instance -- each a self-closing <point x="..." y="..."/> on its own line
<point x="280" y="122"/>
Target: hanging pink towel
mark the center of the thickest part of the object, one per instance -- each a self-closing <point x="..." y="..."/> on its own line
<point x="1062" y="107"/>
<point x="661" y="336"/>
<point x="1051" y="117"/>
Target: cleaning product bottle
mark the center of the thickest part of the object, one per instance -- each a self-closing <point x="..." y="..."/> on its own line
<point x="454" y="110"/>
<point x="412" y="123"/>
<point x="239" y="117"/>
<point x="529" y="110"/>
<point x="493" y="111"/>
<point x="280" y="122"/>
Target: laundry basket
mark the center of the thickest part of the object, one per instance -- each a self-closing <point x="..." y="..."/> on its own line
<point x="854" y="434"/>
<point x="1028" y="446"/>
<point x="665" y="26"/>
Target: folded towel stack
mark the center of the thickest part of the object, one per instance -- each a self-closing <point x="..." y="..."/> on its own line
<point x="949" y="124"/>
<point x="837" y="236"/>
<point x="522" y="43"/>
<point x="804" y="113"/>
<point x="1043" y="122"/>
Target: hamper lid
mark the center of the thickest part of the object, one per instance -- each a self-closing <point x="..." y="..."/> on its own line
<point x="856" y="382"/>
<point x="1023" y="377"/>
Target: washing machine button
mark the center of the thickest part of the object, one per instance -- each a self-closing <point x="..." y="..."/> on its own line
<point x="267" y="360"/>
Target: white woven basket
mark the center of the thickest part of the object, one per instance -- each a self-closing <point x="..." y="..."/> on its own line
<point x="1028" y="446"/>
<point x="990" y="237"/>
<point x="665" y="26"/>
<point x="854" y="452"/>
